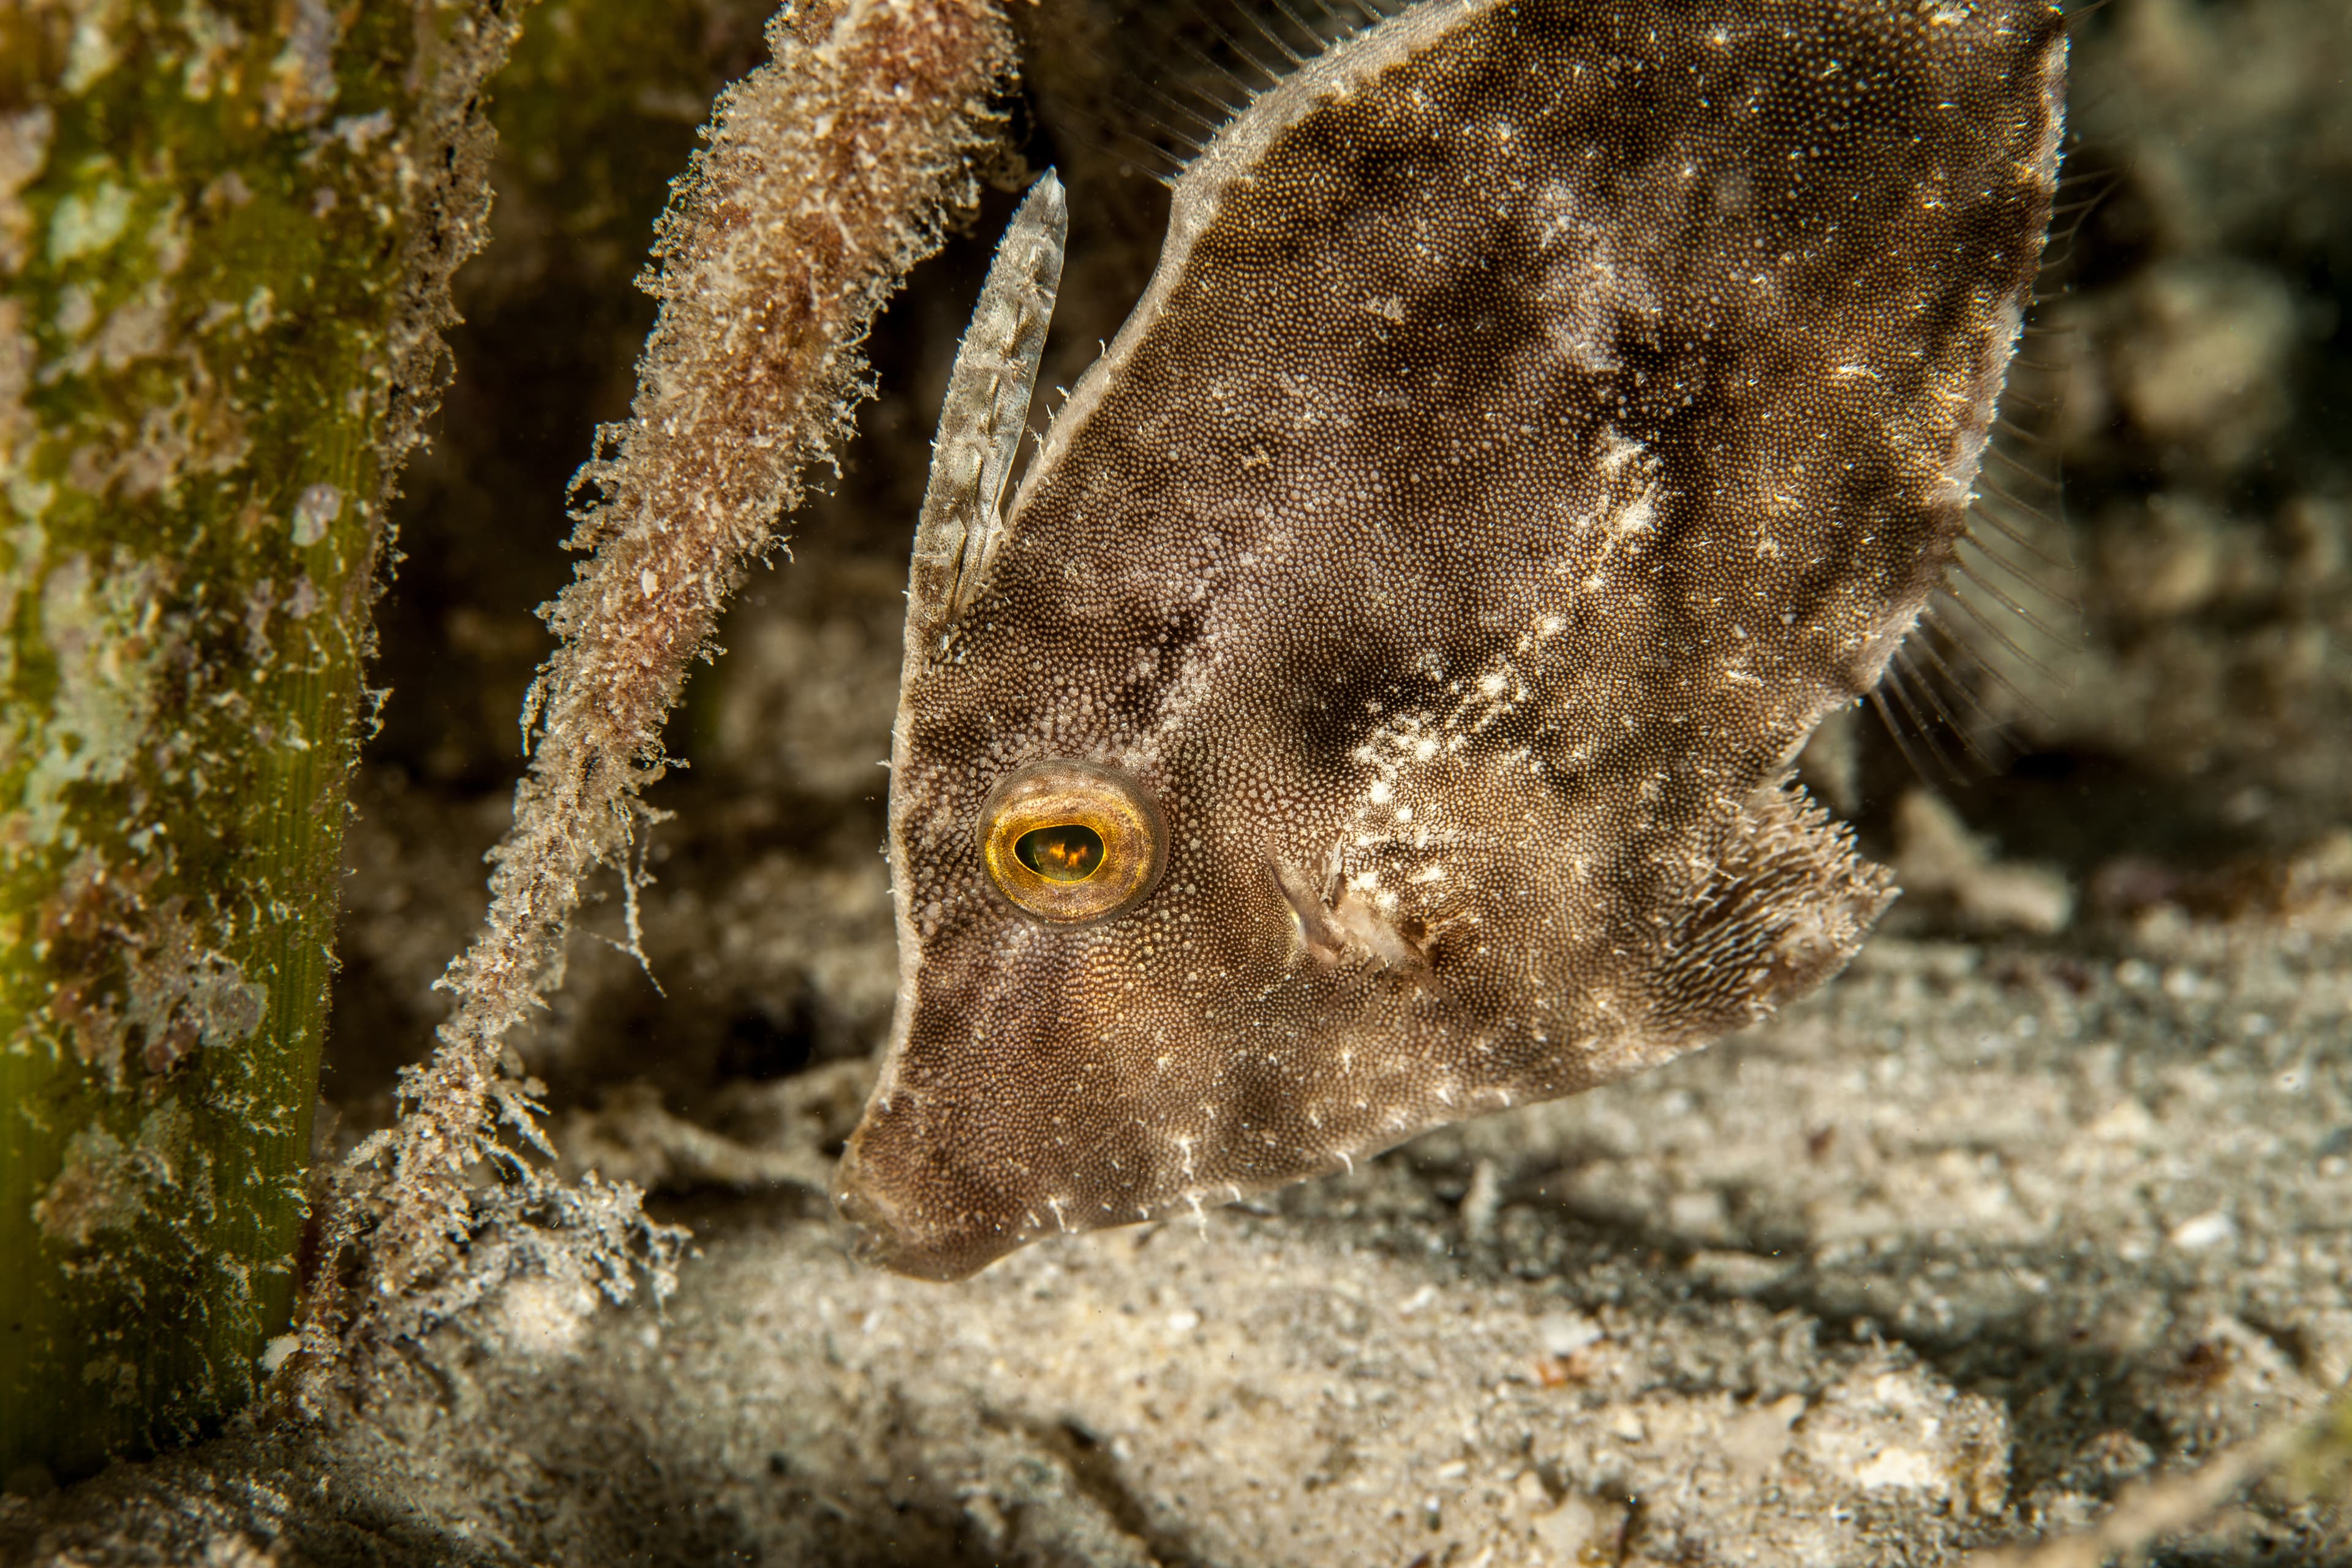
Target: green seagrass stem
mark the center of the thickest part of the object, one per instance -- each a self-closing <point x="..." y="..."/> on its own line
<point x="226" y="233"/>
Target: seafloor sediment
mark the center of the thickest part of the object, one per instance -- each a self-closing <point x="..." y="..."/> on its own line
<point x="1953" y="1251"/>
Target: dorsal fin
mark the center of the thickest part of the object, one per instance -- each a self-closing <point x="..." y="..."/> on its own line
<point x="1155" y="90"/>
<point x="982" y="416"/>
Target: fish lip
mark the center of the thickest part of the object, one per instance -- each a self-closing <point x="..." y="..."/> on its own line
<point x="882" y="1235"/>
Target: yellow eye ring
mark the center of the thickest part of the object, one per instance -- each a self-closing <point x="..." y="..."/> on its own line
<point x="1072" y="841"/>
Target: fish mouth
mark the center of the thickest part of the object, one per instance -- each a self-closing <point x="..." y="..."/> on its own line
<point x="909" y="1237"/>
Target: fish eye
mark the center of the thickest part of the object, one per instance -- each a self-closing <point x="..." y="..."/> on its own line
<point x="1065" y="852"/>
<point x="1072" y="841"/>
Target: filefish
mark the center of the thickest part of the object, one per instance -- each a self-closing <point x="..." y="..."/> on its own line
<point x="1376" y="704"/>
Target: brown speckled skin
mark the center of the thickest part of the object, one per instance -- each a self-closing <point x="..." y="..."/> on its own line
<point x="1543" y="413"/>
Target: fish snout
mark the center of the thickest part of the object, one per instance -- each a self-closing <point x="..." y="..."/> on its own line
<point x="911" y="1207"/>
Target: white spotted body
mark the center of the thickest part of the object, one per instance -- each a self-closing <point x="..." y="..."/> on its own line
<point x="1543" y="413"/>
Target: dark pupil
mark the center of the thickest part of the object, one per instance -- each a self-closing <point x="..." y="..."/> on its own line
<point x="1066" y="852"/>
